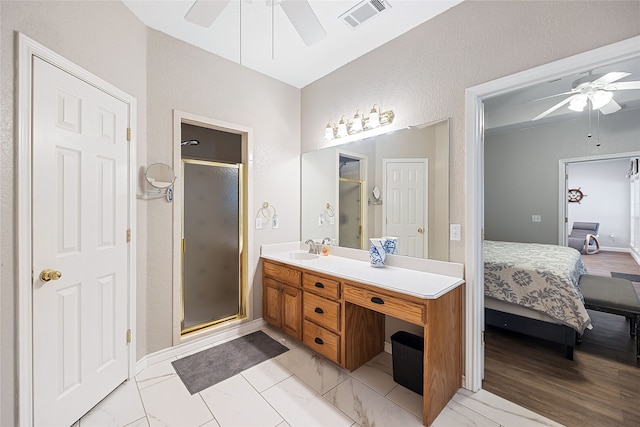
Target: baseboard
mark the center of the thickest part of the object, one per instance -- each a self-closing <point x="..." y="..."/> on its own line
<point x="614" y="249"/>
<point x="636" y="257"/>
<point x="215" y="338"/>
<point x="387" y="347"/>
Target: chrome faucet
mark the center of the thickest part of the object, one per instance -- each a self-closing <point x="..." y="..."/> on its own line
<point x="313" y="248"/>
<point x="326" y="241"/>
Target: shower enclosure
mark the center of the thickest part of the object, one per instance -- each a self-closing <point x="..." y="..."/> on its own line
<point x="211" y="243"/>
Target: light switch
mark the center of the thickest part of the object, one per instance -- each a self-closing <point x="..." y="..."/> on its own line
<point x="321" y="220"/>
<point x="258" y="223"/>
<point x="536" y="218"/>
<point x="454" y="231"/>
<point x="274" y="222"/>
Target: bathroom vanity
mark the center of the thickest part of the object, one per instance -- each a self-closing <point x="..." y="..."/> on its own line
<point x="337" y="307"/>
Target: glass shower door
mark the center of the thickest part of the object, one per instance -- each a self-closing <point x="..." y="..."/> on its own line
<point x="211" y="258"/>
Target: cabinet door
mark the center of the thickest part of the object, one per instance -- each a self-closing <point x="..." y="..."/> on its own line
<point x="272" y="302"/>
<point x="292" y="311"/>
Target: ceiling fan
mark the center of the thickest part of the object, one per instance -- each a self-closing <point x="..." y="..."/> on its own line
<point x="299" y="12"/>
<point x="594" y="89"/>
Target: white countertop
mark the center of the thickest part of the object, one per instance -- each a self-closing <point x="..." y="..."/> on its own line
<point x="420" y="284"/>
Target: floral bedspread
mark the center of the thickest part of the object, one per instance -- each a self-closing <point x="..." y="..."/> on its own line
<point x="541" y="277"/>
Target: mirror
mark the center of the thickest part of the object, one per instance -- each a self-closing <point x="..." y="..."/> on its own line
<point x="395" y="184"/>
<point x="160" y="175"/>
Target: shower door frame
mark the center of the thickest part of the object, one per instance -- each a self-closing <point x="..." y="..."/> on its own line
<point x="242" y="303"/>
<point x="248" y="265"/>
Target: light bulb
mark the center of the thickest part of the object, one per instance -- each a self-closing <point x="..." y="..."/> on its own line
<point x="356" y="126"/>
<point x="578" y="103"/>
<point x="374" y="118"/>
<point x="342" y="128"/>
<point x="600" y="98"/>
<point x="328" y="132"/>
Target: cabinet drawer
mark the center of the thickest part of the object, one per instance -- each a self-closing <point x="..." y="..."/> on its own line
<point x="282" y="273"/>
<point x="322" y="341"/>
<point x="322" y="311"/>
<point x="394" y="306"/>
<point x="328" y="288"/>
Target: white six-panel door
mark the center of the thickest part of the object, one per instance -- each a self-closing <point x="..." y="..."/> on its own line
<point x="79" y="225"/>
<point x="405" y="187"/>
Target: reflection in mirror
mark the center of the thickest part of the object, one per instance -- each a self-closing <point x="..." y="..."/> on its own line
<point x="395" y="184"/>
<point x="160" y="175"/>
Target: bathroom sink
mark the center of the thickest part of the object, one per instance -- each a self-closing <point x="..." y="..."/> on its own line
<point x="302" y="256"/>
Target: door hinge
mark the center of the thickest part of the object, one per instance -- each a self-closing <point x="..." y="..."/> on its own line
<point x="128" y="235"/>
<point x="128" y="134"/>
<point x="128" y="336"/>
<point x="184" y="246"/>
<point x="482" y="337"/>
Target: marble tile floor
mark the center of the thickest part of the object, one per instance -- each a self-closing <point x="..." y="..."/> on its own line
<point x="296" y="388"/>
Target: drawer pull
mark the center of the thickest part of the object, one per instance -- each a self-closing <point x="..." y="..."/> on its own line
<point x="319" y="285"/>
<point x="377" y="300"/>
<point x="318" y="340"/>
<point x="319" y="310"/>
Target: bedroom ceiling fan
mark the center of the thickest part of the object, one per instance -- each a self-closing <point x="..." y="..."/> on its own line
<point x="594" y="89"/>
<point x="299" y="12"/>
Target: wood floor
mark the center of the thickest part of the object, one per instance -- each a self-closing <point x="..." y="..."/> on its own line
<point x="600" y="387"/>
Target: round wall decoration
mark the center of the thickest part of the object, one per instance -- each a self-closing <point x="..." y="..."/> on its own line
<point x="575" y="195"/>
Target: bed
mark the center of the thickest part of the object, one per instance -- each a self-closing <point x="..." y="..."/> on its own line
<point x="533" y="289"/>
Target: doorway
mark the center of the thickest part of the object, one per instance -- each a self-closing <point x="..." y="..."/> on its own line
<point x="212" y="189"/>
<point x="76" y="222"/>
<point x="620" y="51"/>
<point x="211" y="236"/>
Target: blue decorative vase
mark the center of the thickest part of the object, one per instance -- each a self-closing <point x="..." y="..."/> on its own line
<point x="376" y="252"/>
<point x="390" y="245"/>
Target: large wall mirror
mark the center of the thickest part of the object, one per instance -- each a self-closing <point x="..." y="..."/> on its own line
<point x="395" y="184"/>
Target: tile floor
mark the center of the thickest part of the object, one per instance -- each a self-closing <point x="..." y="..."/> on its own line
<point x="297" y="388"/>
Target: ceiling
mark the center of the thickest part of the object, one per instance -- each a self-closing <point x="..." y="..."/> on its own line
<point x="515" y="109"/>
<point x="243" y="33"/>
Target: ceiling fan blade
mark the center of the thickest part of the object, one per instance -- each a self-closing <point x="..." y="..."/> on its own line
<point x="304" y="20"/>
<point x="205" y="12"/>
<point x="611" y="107"/>
<point x="623" y="86"/>
<point x="551" y="96"/>
<point x="555" y="107"/>
<point x="610" y="78"/>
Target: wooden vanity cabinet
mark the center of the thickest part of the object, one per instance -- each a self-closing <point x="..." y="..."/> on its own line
<point x="321" y="312"/>
<point x="282" y="298"/>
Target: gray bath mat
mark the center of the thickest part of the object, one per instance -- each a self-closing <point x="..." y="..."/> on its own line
<point x="631" y="277"/>
<point x="208" y="367"/>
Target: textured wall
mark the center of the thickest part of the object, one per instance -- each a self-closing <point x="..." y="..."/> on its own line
<point x="189" y="79"/>
<point x="521" y="172"/>
<point x="106" y="39"/>
<point x="422" y="75"/>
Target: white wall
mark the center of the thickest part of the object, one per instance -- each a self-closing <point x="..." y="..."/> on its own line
<point x="606" y="188"/>
<point x="521" y="172"/>
<point x="422" y="75"/>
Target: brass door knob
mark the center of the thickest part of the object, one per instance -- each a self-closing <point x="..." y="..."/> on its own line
<point x="49" y="274"/>
<point x="420" y="230"/>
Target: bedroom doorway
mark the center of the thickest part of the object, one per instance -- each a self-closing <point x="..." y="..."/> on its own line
<point x="602" y="184"/>
<point x="475" y="119"/>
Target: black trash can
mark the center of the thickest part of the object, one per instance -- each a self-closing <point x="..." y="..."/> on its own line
<point x="408" y="354"/>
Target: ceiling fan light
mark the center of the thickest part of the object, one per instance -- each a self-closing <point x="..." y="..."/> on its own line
<point x="578" y="103"/>
<point x="600" y="98"/>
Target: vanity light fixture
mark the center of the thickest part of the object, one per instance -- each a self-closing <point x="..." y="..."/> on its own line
<point x="342" y="127"/>
<point x="359" y="124"/>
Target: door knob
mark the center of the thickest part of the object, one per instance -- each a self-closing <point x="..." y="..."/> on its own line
<point x="49" y="274"/>
<point x="420" y="230"/>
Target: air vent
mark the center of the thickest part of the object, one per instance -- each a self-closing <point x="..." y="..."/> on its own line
<point x="364" y="11"/>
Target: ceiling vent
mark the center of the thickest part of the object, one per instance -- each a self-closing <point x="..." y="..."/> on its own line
<point x="364" y="11"/>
